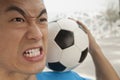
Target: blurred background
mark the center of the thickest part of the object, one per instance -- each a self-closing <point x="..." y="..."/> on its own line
<point x="102" y="18"/>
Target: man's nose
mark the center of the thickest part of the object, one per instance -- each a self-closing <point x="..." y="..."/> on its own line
<point x="34" y="32"/>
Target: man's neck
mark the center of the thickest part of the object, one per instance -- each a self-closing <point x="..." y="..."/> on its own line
<point x="5" y="75"/>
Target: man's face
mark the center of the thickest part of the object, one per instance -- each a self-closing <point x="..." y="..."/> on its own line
<point x="23" y="35"/>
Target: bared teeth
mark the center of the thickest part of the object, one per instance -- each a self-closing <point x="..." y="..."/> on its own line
<point x="32" y="52"/>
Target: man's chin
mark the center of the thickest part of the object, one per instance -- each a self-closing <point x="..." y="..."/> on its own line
<point x="32" y="71"/>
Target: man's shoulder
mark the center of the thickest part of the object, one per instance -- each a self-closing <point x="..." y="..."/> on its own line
<point x="59" y="76"/>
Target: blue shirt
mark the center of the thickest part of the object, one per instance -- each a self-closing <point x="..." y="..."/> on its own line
<point x="69" y="75"/>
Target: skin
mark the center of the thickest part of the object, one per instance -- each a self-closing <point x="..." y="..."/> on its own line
<point x="23" y="26"/>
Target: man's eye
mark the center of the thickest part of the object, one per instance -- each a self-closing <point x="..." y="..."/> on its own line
<point x="18" y="20"/>
<point x="43" y="20"/>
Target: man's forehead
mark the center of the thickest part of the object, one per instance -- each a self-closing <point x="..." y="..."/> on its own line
<point x="27" y="6"/>
<point x="22" y="3"/>
<point x="19" y="1"/>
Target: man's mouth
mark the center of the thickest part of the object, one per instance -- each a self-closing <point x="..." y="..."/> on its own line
<point x="32" y="52"/>
<point x="34" y="55"/>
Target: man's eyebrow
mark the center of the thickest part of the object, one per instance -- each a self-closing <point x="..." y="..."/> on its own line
<point x="15" y="8"/>
<point x="42" y="12"/>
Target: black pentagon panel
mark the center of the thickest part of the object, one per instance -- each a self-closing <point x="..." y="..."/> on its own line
<point x="64" y="39"/>
<point x="56" y="66"/>
<point x="83" y="55"/>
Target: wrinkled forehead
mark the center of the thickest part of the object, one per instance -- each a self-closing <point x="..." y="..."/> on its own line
<point x="21" y="2"/>
<point x="30" y="7"/>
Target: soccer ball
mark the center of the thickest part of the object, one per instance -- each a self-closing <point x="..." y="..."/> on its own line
<point x="67" y="45"/>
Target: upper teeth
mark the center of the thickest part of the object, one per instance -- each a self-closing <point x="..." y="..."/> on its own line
<point x="32" y="52"/>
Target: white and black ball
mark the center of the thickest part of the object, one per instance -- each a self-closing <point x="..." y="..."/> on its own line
<point x="67" y="45"/>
